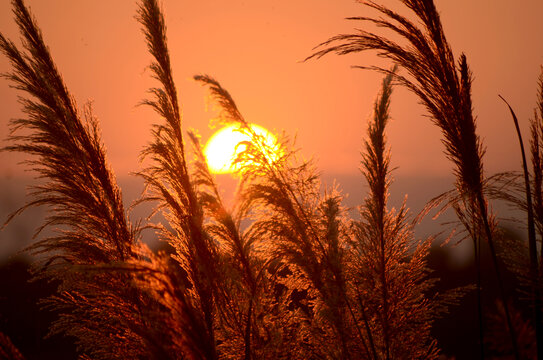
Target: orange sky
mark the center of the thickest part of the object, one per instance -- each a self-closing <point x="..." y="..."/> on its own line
<point x="254" y="49"/>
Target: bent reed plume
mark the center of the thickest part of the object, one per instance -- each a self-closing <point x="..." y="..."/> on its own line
<point x="285" y="272"/>
<point x="444" y="88"/>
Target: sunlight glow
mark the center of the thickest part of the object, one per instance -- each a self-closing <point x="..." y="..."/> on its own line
<point x="222" y="148"/>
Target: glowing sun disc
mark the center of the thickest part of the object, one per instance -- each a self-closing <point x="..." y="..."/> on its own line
<point x="221" y="149"/>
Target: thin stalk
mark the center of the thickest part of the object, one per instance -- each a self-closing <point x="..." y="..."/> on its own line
<point x="356" y="324"/>
<point x="477" y="250"/>
<point x="484" y="215"/>
<point x="367" y="325"/>
<point x="248" y="331"/>
<point x="384" y="291"/>
<point x="532" y="245"/>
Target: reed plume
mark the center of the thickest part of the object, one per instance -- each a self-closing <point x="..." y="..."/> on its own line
<point x="243" y="300"/>
<point x="390" y="275"/>
<point x="445" y="91"/>
<point x="305" y="231"/>
<point x="168" y="182"/>
<point x="85" y="204"/>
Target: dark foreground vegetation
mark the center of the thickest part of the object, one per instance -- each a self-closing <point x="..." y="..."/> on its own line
<point x="285" y="272"/>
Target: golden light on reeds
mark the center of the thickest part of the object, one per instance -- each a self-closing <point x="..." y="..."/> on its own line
<point x="223" y="147"/>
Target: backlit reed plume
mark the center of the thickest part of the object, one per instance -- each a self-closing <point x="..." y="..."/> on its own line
<point x="388" y="267"/>
<point x="85" y="206"/>
<point x="168" y="182"/>
<point x="305" y="231"/>
<point x="251" y="316"/>
<point x="445" y="90"/>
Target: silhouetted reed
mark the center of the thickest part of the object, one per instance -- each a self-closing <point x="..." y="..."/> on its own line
<point x="533" y="277"/>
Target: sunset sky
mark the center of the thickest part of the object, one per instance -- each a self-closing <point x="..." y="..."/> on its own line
<point x="255" y="49"/>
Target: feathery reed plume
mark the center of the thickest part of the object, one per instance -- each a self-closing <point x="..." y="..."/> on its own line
<point x="383" y="262"/>
<point x="239" y="300"/>
<point x="306" y="231"/>
<point x="114" y="295"/>
<point x="168" y="181"/>
<point x="253" y="319"/>
<point x="81" y="187"/>
<point x="446" y="94"/>
<point x="86" y="209"/>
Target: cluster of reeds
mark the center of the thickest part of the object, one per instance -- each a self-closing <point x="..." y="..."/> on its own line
<point x="444" y="88"/>
<point x="284" y="272"/>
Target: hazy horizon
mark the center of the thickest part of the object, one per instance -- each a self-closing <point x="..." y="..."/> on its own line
<point x="419" y="190"/>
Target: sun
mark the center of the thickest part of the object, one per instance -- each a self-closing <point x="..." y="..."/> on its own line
<point x="222" y="148"/>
